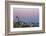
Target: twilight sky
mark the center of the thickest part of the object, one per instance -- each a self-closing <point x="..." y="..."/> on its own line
<point x="25" y="11"/>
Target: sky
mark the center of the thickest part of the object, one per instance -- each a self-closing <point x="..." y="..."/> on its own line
<point x="25" y="11"/>
<point x="26" y="14"/>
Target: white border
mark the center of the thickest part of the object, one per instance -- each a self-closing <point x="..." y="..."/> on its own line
<point x="29" y="28"/>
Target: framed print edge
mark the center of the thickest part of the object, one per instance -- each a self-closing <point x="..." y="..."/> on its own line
<point x="6" y="34"/>
<point x="6" y="26"/>
<point x="7" y="19"/>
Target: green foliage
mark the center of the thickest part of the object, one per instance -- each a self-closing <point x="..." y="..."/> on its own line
<point x="19" y="24"/>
